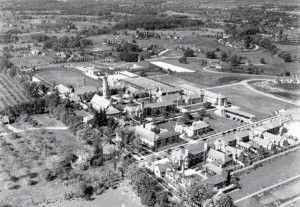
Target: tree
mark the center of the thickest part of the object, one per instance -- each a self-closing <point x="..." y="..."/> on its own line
<point x="262" y="61"/>
<point x="222" y="200"/>
<point x="287" y="58"/>
<point x="210" y="54"/>
<point x="189" y="53"/>
<point x="199" y="192"/>
<point x="86" y="191"/>
<point x="186" y="117"/>
<point x="224" y="56"/>
<point x="235" y="60"/>
<point x="183" y="60"/>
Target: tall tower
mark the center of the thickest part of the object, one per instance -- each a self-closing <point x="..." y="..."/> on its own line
<point x="105" y="86"/>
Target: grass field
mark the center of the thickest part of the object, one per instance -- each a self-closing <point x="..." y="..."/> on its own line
<point x="171" y="80"/>
<point x="11" y="92"/>
<point x="287" y="90"/>
<point x="67" y="77"/>
<point x="280" y="169"/>
<point x="32" y="60"/>
<point x="250" y="101"/>
<point x="292" y="49"/>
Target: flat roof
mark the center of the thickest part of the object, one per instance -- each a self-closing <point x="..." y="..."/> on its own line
<point x="240" y="112"/>
<point x="171" y="67"/>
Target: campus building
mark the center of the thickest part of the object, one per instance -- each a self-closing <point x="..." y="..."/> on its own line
<point x="197" y="128"/>
<point x="238" y="115"/>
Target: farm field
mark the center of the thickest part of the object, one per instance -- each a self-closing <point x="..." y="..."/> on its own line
<point x="280" y="169"/>
<point x="250" y="101"/>
<point x="67" y="77"/>
<point x="11" y="92"/>
<point x="172" y="80"/>
<point x="34" y="60"/>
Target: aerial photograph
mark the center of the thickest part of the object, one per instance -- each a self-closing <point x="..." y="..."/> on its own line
<point x="149" y="103"/>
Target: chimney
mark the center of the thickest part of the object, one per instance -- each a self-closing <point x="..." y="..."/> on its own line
<point x="144" y="125"/>
<point x="84" y="81"/>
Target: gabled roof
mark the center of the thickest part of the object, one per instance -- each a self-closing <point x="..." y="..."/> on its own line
<point x="85" y="89"/>
<point x="273" y="137"/>
<point x="162" y="167"/>
<point x="214" y="168"/>
<point x="268" y="126"/>
<point x="261" y="141"/>
<point x="63" y="89"/>
<point x="218" y="155"/>
<point x="100" y="101"/>
<point x="168" y="134"/>
<point x="191" y="88"/>
<point x="233" y="150"/>
<point x="198" y="125"/>
<point x="244" y="144"/>
<point x="159" y="104"/>
<point x="145" y="133"/>
<point x="228" y="138"/>
<point x="111" y="110"/>
<point x="237" y="111"/>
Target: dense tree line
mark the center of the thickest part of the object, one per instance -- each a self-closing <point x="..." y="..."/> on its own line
<point x="152" y="23"/>
<point x="58" y="43"/>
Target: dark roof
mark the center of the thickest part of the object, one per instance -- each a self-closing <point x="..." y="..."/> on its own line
<point x="144" y="64"/>
<point x="215" y="180"/>
<point x="159" y="104"/>
<point x="167" y="134"/>
<point x="195" y="148"/>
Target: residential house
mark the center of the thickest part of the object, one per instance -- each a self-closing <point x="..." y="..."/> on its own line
<point x="5" y="119"/>
<point x="190" y="155"/>
<point x="214" y="155"/>
<point x="218" y="181"/>
<point x="197" y="128"/>
<point x="133" y="111"/>
<point x="63" y="90"/>
<point x="160" y="170"/>
<point x="222" y="142"/>
<point x="272" y="127"/>
<point x="265" y="143"/>
<point x="244" y="145"/>
<point x="233" y="152"/>
<point x="84" y="115"/>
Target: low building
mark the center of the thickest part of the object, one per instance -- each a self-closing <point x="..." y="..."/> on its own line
<point x="155" y="141"/>
<point x="84" y="115"/>
<point x="233" y="152"/>
<point x="244" y="145"/>
<point x="133" y="111"/>
<point x="92" y="72"/>
<point x="190" y="89"/>
<point x="222" y="142"/>
<point x="276" y="139"/>
<point x="265" y="143"/>
<point x="238" y="115"/>
<point x="5" y="119"/>
<point x="197" y="128"/>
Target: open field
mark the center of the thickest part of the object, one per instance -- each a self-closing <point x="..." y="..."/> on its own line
<point x="11" y="92"/>
<point x="287" y="90"/>
<point x="256" y="104"/>
<point x="32" y="60"/>
<point x="67" y="77"/>
<point x="292" y="49"/>
<point x="280" y="169"/>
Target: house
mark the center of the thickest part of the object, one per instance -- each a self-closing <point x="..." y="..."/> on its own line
<point x="276" y="139"/>
<point x="133" y="111"/>
<point x="113" y="112"/>
<point x="265" y="143"/>
<point x="84" y="115"/>
<point x="218" y="181"/>
<point x="244" y="145"/>
<point x="233" y="152"/>
<point x="35" y="51"/>
<point x="156" y="141"/>
<point x="213" y="168"/>
<point x="100" y="102"/>
<point x="160" y="170"/>
<point x="5" y="119"/>
<point x="197" y="128"/>
<point x="214" y="155"/>
<point x="63" y="90"/>
<point x="222" y="142"/>
<point x="189" y="155"/>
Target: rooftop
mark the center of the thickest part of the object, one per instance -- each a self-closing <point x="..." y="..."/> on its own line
<point x="218" y="155"/>
<point x="239" y="112"/>
<point x="100" y="101"/>
<point x="195" y="148"/>
<point x="191" y="88"/>
<point x="213" y="95"/>
<point x="198" y="125"/>
<point x="171" y="67"/>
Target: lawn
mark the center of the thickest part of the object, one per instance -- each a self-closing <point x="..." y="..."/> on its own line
<point x="32" y="60"/>
<point x="153" y="73"/>
<point x="280" y="169"/>
<point x="67" y="77"/>
<point x="250" y="101"/>
<point x="218" y="123"/>
<point x="292" y="49"/>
